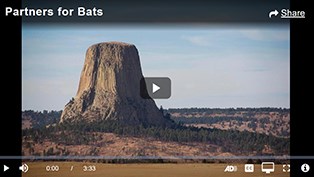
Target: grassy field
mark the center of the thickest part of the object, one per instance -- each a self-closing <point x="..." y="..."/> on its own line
<point x="38" y="169"/>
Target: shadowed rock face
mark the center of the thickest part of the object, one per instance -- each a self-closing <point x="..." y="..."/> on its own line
<point x="109" y="88"/>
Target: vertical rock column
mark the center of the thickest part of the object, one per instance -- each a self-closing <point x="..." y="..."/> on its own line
<point x="109" y="88"/>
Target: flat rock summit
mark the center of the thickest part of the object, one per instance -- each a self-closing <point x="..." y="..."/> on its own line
<point x="109" y="88"/>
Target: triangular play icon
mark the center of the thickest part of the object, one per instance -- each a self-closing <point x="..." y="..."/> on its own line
<point x="5" y="168"/>
<point x="155" y="88"/>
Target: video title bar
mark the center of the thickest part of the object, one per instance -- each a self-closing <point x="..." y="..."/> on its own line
<point x="123" y="11"/>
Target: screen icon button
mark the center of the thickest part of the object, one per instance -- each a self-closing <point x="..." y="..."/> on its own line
<point x="268" y="167"/>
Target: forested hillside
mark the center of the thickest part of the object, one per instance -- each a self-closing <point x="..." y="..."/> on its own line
<point x="45" y="131"/>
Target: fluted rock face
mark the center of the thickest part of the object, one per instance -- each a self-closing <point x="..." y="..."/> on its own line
<point x="109" y="88"/>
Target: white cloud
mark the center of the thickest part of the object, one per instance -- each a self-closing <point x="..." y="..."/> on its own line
<point x="266" y="35"/>
<point x="198" y="40"/>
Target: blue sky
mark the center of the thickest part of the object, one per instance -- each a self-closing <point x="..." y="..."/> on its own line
<point x="210" y="66"/>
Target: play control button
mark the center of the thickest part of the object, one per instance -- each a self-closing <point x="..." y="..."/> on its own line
<point x="5" y="168"/>
<point x="156" y="87"/>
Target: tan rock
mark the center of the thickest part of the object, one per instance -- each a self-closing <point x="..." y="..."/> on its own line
<point x="109" y="88"/>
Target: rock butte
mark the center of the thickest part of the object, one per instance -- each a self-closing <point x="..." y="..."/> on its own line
<point x="109" y="88"/>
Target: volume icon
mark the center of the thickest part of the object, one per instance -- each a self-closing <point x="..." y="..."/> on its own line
<point x="24" y="168"/>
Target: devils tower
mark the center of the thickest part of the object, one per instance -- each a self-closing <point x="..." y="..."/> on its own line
<point x="109" y="88"/>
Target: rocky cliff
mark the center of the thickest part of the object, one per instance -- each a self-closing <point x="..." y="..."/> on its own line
<point x="109" y="88"/>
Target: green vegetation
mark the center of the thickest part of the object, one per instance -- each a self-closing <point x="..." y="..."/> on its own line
<point x="271" y="120"/>
<point x="232" y="141"/>
<point x="81" y="132"/>
<point x="41" y="119"/>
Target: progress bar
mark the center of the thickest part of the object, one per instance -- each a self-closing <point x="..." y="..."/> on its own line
<point x="151" y="157"/>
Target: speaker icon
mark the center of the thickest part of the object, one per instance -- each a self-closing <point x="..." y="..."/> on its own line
<point x="24" y="168"/>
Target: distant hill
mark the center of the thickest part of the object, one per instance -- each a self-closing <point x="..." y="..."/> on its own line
<point x="274" y="121"/>
<point x="270" y="121"/>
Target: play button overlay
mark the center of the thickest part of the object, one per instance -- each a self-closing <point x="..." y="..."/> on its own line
<point x="155" y="87"/>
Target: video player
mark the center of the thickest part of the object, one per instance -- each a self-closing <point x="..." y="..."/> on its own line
<point x="189" y="88"/>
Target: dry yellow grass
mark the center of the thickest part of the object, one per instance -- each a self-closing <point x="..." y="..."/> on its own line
<point x="38" y="169"/>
